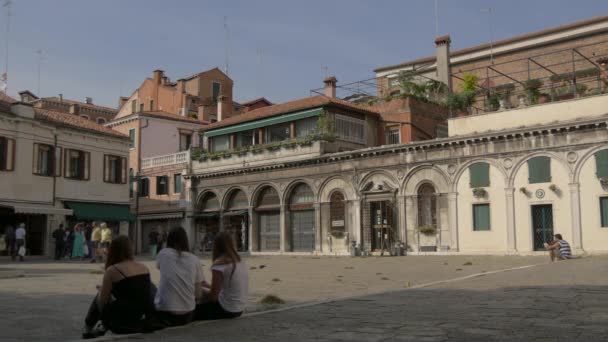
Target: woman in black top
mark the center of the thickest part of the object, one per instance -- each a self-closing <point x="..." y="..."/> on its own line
<point x="124" y="302"/>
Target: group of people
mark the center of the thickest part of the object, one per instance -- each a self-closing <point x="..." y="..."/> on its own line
<point x="84" y="241"/>
<point x="15" y="241"/>
<point x="157" y="239"/>
<point x="129" y="302"/>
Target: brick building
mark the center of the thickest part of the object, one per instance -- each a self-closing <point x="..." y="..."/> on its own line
<point x="86" y="110"/>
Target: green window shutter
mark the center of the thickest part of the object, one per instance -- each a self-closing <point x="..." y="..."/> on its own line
<point x="481" y="217"/>
<point x="177" y="187"/>
<point x="601" y="163"/>
<point x="604" y="210"/>
<point x="480" y="175"/>
<point x="539" y="170"/>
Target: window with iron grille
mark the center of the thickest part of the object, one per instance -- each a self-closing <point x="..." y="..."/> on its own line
<point x="350" y="129"/>
<point x="393" y="136"/>
<point x="162" y="185"/>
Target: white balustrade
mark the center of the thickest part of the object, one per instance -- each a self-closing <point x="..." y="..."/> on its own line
<point x="167" y="159"/>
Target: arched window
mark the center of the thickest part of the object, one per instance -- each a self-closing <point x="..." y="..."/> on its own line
<point x="238" y="200"/>
<point x="427" y="206"/>
<point x="301" y="218"/>
<point x="302" y="197"/>
<point x="268" y="214"/>
<point x="210" y="202"/>
<point x="84" y="117"/>
<point x="268" y="198"/>
<point x="101" y="121"/>
<point x="337" y="211"/>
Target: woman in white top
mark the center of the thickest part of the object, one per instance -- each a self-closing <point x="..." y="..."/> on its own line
<point x="181" y="280"/>
<point x="229" y="290"/>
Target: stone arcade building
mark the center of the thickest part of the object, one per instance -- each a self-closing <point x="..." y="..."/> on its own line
<point x="502" y="183"/>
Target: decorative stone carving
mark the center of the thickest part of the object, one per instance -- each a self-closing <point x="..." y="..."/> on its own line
<point x="507" y="163"/>
<point x="317" y="183"/>
<point x="282" y="186"/>
<point x="540" y="193"/>
<point x="355" y="179"/>
<point x="451" y="169"/>
<point x="400" y="174"/>
<point x="572" y="157"/>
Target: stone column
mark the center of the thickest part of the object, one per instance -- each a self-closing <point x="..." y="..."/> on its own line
<point x="318" y="230"/>
<point x="511" y="239"/>
<point x="401" y="211"/>
<point x="355" y="230"/>
<point x="284" y="229"/>
<point x="575" y="203"/>
<point x="251" y="226"/>
<point x="453" y="220"/>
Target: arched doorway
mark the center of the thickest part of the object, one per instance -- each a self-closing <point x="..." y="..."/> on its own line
<point x="302" y="219"/>
<point x="427" y="217"/>
<point x="236" y="220"/>
<point x="337" y="214"/>
<point x="206" y="221"/>
<point x="268" y="215"/>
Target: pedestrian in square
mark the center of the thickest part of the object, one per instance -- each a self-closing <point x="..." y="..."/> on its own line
<point x="69" y="243"/>
<point x="20" y="239"/>
<point x="59" y="237"/>
<point x="79" y="242"/>
<point x="106" y="238"/>
<point x="153" y="239"/>
<point x="88" y="232"/>
<point x="9" y="238"/>
<point x="95" y="242"/>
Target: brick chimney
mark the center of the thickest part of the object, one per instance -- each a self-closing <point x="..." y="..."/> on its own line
<point x="158" y="76"/>
<point x="222" y="107"/>
<point x="74" y="109"/>
<point x="330" y="86"/>
<point x="88" y="100"/>
<point x="443" y="68"/>
<point x="60" y="97"/>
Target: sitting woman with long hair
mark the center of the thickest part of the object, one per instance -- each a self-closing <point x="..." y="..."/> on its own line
<point x="181" y="280"/>
<point x="123" y="303"/>
<point x="229" y="290"/>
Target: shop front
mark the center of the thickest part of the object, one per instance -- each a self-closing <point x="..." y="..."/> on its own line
<point x="116" y="216"/>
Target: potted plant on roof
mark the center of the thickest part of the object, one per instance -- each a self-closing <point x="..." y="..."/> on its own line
<point x="532" y="88"/>
<point x="504" y="90"/>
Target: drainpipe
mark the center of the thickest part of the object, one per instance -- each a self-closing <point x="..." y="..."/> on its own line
<point x="55" y="168"/>
<point x="138" y="178"/>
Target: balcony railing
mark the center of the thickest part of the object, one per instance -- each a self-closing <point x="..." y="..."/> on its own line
<point x="167" y="159"/>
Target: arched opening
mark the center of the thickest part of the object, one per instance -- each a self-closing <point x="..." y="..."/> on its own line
<point x="101" y="121"/>
<point x="427" y="206"/>
<point x="302" y="219"/>
<point x="337" y="214"/>
<point x="235" y="218"/>
<point x="268" y="217"/>
<point x="206" y="221"/>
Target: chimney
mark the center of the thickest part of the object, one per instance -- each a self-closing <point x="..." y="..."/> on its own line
<point x="60" y="97"/>
<point x="74" y="109"/>
<point x="165" y="80"/>
<point x="221" y="107"/>
<point x="330" y="86"/>
<point x="158" y="76"/>
<point x="443" y="69"/>
<point x="121" y="101"/>
<point x="88" y="100"/>
<point x="22" y="109"/>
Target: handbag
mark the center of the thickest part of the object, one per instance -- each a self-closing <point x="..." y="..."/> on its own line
<point x="85" y="249"/>
<point x="21" y="251"/>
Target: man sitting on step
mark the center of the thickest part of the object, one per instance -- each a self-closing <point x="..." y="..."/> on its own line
<point x="559" y="248"/>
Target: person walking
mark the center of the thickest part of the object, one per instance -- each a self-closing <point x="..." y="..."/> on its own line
<point x="79" y="242"/>
<point x="106" y="238"/>
<point x="88" y="231"/>
<point x="95" y="242"/>
<point x="20" y="239"/>
<point x="59" y="236"/>
<point x="153" y="241"/>
<point x="162" y="239"/>
<point x="9" y="237"/>
<point x="69" y="243"/>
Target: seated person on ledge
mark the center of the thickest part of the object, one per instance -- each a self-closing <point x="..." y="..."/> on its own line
<point x="559" y="248"/>
<point x="124" y="303"/>
<point x="227" y="296"/>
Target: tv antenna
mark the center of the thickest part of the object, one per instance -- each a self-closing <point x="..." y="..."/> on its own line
<point x="436" y="19"/>
<point x="7" y="4"/>
<point x="490" y="10"/>
<point x="226" y="43"/>
<point x="40" y="53"/>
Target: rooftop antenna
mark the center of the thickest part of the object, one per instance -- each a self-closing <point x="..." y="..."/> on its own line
<point x="325" y="70"/>
<point x="226" y="43"/>
<point x="39" y="52"/>
<point x="490" y="10"/>
<point x="7" y="4"/>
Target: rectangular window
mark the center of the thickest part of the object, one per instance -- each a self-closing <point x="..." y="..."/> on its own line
<point x="220" y="143"/>
<point x="151" y="105"/>
<point x="7" y="154"/>
<point x="539" y="170"/>
<point x="215" y="91"/>
<point x="481" y="217"/>
<point x="77" y="164"/>
<point x="132" y="138"/>
<point x="480" y="175"/>
<point x="144" y="187"/>
<point x="177" y="183"/>
<point x="141" y="107"/>
<point x="601" y="163"/>
<point x="185" y="141"/>
<point x="277" y="133"/>
<point x="162" y="185"/>
<point x="307" y="127"/>
<point x="44" y="160"/>
<point x="393" y="136"/>
<point x="350" y="129"/>
<point x="133" y="106"/>
<point x="244" y="139"/>
<point x="115" y="169"/>
<point x="604" y="211"/>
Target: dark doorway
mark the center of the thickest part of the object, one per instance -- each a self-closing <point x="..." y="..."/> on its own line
<point x="542" y="225"/>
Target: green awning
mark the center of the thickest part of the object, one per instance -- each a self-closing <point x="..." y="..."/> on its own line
<point x="206" y="215"/>
<point x="264" y="122"/>
<point x="101" y="211"/>
<point x="236" y="212"/>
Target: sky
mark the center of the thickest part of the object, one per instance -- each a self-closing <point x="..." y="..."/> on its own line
<point x="279" y="49"/>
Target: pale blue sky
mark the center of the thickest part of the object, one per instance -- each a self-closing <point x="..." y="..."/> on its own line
<point x="104" y="49"/>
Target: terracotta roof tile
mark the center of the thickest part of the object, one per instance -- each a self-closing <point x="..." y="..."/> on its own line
<point x="291" y="106"/>
<point x="165" y="115"/>
<point x="81" y="104"/>
<point x="259" y="99"/>
<point x="499" y="42"/>
<point x="6" y="98"/>
<point x="73" y="121"/>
